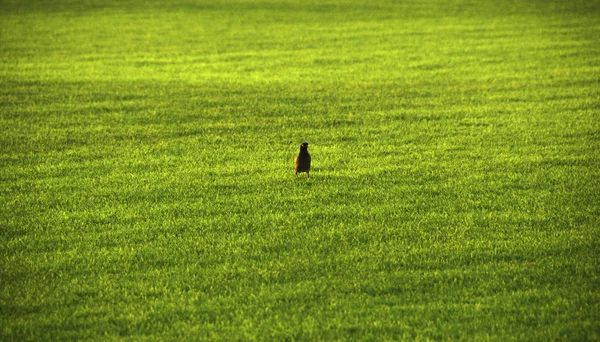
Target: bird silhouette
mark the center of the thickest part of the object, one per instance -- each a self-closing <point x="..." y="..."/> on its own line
<point x="303" y="160"/>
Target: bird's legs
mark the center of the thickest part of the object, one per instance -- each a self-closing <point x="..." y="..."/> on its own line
<point x="307" y="175"/>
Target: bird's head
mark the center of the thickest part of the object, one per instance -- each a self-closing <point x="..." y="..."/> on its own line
<point x="304" y="146"/>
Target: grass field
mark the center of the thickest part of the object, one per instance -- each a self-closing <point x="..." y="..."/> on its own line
<point x="148" y="191"/>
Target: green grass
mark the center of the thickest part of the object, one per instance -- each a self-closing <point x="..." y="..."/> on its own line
<point x="147" y="183"/>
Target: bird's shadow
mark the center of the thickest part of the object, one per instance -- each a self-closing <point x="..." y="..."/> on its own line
<point x="303" y="181"/>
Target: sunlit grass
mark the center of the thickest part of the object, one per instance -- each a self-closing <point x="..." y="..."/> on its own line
<point x="148" y="186"/>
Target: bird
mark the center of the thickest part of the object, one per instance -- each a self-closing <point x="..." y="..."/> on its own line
<point x="303" y="160"/>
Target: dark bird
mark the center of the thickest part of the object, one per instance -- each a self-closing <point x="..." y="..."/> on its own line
<point x="303" y="160"/>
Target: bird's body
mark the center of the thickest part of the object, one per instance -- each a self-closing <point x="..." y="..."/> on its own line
<point x="302" y="163"/>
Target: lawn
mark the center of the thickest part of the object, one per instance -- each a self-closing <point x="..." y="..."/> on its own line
<point x="148" y="190"/>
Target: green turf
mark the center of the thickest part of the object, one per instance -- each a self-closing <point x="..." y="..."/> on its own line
<point x="147" y="183"/>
